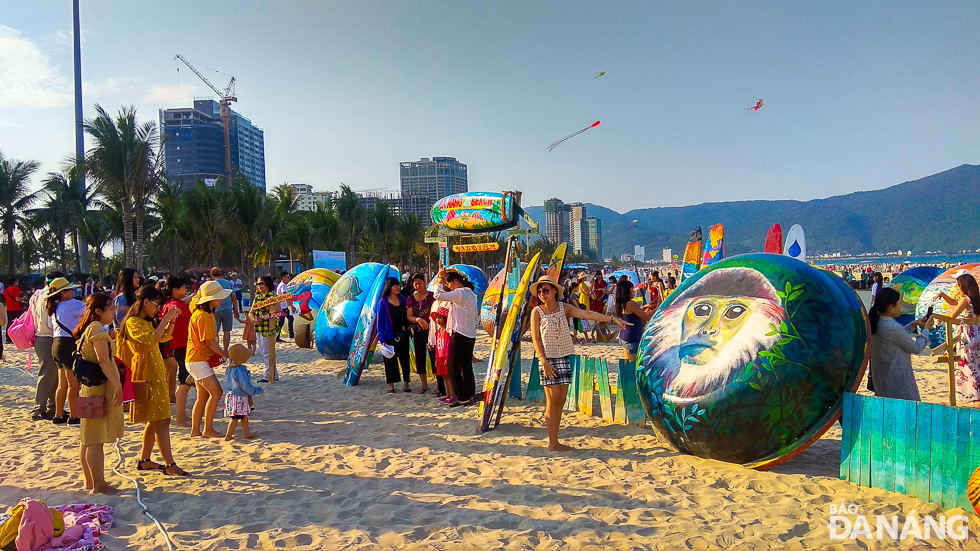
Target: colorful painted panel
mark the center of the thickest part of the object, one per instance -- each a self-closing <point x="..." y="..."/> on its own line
<point x="476" y="212"/>
<point x="715" y="249"/>
<point x="795" y="245"/>
<point x="366" y="330"/>
<point x="910" y="284"/>
<point x="309" y="290"/>
<point x="943" y="283"/>
<point x="928" y="451"/>
<point x="337" y="318"/>
<point x="495" y="384"/>
<point x="747" y="361"/>
<point x="774" y="240"/>
<point x="488" y="307"/>
<point x="692" y="255"/>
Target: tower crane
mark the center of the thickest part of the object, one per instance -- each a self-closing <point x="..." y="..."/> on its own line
<point x="227" y="96"/>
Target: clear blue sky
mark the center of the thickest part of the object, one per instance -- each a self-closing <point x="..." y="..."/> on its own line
<point x="859" y="95"/>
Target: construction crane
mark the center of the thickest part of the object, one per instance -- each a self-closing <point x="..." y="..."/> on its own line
<point x="227" y="96"/>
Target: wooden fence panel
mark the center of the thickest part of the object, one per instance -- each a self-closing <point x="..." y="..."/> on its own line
<point x="535" y="392"/>
<point x="923" y="451"/>
<point x="605" y="397"/>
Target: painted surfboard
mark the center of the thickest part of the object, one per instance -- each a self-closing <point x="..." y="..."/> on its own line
<point x="715" y="249"/>
<point x="774" y="240"/>
<point x="333" y="330"/>
<point x="476" y="212"/>
<point x="309" y="290"/>
<point x="795" y="245"/>
<point x="692" y="255"/>
<point x="504" y="354"/>
<point x="366" y="332"/>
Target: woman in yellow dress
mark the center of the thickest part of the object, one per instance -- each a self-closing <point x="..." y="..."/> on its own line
<point x="97" y="347"/>
<point x="138" y="343"/>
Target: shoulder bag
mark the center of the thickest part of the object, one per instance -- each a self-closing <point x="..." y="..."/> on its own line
<point x="86" y="372"/>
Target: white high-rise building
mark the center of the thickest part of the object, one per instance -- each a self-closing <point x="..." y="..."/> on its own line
<point x="639" y="253"/>
<point x="304" y="196"/>
<point x="668" y="254"/>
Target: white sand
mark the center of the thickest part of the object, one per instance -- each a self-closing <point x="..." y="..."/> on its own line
<point x="355" y="468"/>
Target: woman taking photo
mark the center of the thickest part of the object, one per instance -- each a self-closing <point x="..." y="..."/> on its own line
<point x="892" y="347"/>
<point x="65" y="313"/>
<point x="631" y="312"/>
<point x="553" y="345"/>
<point x="968" y="368"/>
<point x="392" y="317"/>
<point x="454" y="289"/>
<point x="419" y="305"/>
<point x="138" y="343"/>
<point x="266" y="326"/>
<point x="97" y="347"/>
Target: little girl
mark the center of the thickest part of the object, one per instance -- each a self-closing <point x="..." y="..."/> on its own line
<point x="238" y="400"/>
<point x="439" y="341"/>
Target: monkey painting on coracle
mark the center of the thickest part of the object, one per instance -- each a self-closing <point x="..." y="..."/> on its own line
<point x="724" y="320"/>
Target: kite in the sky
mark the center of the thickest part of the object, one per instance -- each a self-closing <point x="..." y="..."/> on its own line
<point x="633" y="223"/>
<point x="758" y="105"/>
<point x="600" y="74"/>
<point x="572" y="135"/>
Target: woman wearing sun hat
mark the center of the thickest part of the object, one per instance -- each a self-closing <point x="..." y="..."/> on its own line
<point x="65" y="312"/>
<point x="202" y="346"/>
<point x="553" y="345"/>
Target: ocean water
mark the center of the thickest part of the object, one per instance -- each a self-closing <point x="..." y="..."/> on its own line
<point x="927" y="260"/>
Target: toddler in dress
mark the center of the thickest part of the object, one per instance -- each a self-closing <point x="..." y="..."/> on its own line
<point x="238" y="400"/>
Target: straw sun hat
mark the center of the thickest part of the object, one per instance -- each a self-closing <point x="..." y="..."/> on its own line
<point x="239" y="354"/>
<point x="212" y="290"/>
<point x="550" y="281"/>
<point x="60" y="284"/>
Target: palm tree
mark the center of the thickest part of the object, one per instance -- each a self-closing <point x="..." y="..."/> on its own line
<point x="382" y="226"/>
<point x="324" y="221"/>
<point x="97" y="230"/>
<point x="14" y="200"/>
<point x="66" y="203"/>
<point x="351" y="215"/>
<point x="169" y="209"/>
<point x="204" y="206"/>
<point x="246" y="212"/>
<point x="300" y="237"/>
<point x="127" y="170"/>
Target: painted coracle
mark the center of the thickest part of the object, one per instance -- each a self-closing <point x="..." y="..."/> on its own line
<point x="748" y="360"/>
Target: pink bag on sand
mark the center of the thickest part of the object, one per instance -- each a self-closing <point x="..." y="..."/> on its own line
<point x="22" y="331"/>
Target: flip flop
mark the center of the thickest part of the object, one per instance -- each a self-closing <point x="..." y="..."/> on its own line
<point x="422" y="391"/>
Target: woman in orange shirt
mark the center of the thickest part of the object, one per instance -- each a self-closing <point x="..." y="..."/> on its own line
<point x="202" y="350"/>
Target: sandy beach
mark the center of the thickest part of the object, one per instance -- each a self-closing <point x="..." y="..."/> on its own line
<point x="355" y="468"/>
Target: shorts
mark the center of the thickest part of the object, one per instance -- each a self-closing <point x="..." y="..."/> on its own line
<point x="182" y="374"/>
<point x="563" y="372"/>
<point x="165" y="350"/>
<point x="200" y="370"/>
<point x="223" y="319"/>
<point x="236" y="406"/>
<point x="63" y="352"/>
<point x="631" y="347"/>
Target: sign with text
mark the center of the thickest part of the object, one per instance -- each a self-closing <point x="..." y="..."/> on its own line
<point x="331" y="260"/>
<point x="476" y="247"/>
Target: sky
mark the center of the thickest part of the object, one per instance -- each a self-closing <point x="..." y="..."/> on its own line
<point x="858" y="95"/>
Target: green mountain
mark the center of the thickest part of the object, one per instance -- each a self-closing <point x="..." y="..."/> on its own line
<point x="935" y="213"/>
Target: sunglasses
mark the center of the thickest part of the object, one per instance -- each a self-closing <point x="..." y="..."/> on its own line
<point x="262" y="283"/>
<point x="545" y="290"/>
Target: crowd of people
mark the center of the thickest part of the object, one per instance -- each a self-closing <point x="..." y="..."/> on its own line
<point x="145" y="345"/>
<point x="151" y="341"/>
<point x="892" y="344"/>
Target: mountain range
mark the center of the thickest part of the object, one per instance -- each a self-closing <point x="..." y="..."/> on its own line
<point x="936" y="213"/>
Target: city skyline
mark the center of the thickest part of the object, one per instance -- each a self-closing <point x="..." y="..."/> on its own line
<point x="857" y="96"/>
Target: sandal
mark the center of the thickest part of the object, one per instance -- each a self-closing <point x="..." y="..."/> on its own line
<point x="422" y="391"/>
<point x="156" y="466"/>
<point x="391" y="391"/>
<point x="407" y="389"/>
<point x="180" y="472"/>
